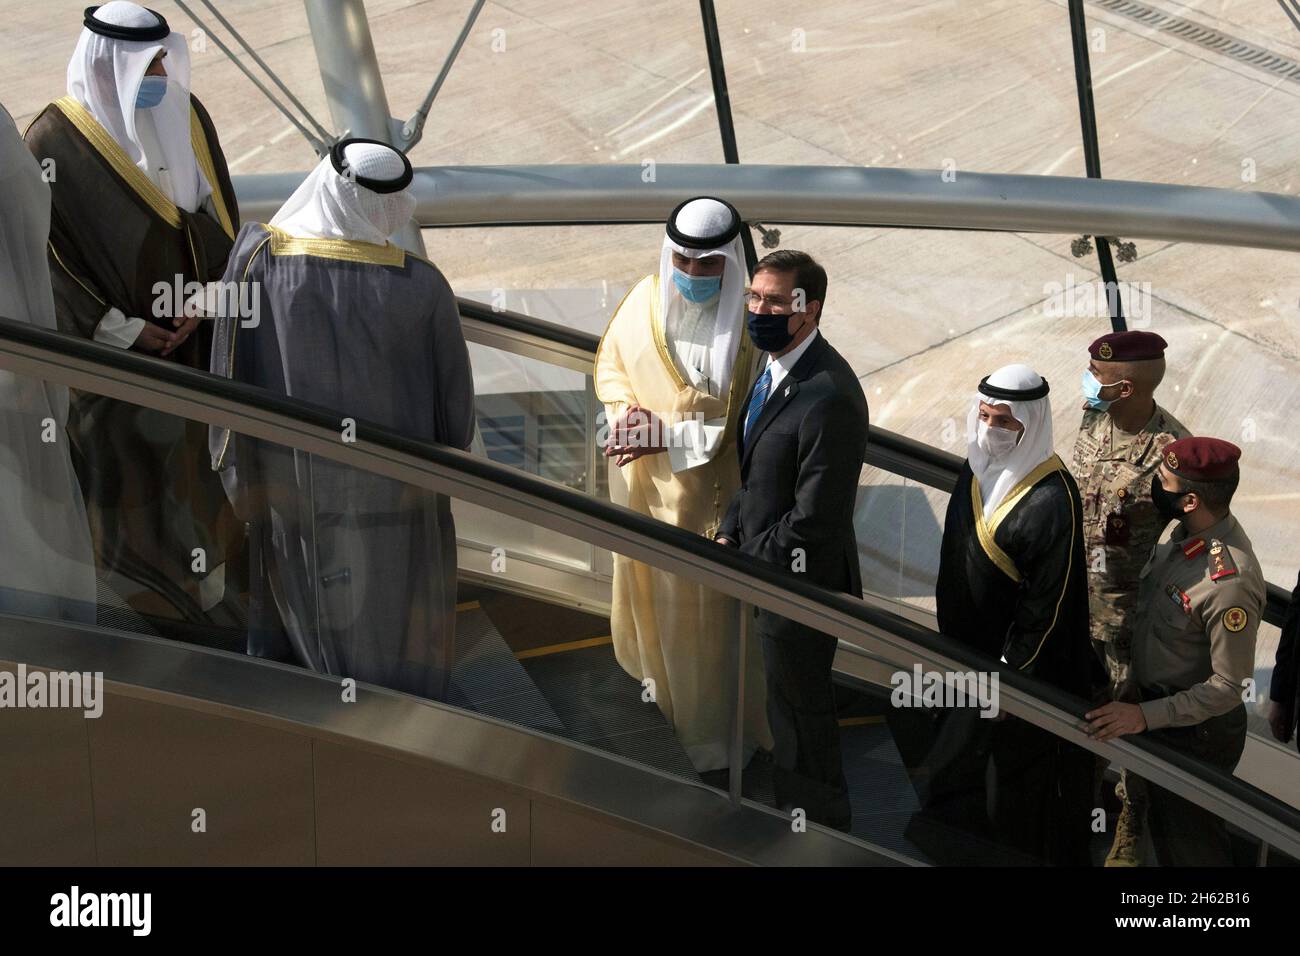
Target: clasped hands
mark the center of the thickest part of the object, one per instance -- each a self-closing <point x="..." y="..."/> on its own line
<point x="637" y="431"/>
<point x="155" y="338"/>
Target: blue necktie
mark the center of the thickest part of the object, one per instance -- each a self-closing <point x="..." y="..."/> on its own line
<point x="761" y="388"/>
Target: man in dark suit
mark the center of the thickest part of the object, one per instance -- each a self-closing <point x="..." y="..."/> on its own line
<point x="1284" y="690"/>
<point x="802" y="436"/>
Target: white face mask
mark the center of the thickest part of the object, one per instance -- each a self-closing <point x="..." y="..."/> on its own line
<point x="995" y="442"/>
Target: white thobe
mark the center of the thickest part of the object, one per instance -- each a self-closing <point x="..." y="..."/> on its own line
<point x="691" y="331"/>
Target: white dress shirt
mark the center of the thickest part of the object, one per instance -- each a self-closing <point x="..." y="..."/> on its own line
<point x="780" y="367"/>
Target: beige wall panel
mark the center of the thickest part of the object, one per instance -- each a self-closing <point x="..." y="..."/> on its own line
<point x="376" y="810"/>
<point x="45" y="810"/>
<point x="153" y="765"/>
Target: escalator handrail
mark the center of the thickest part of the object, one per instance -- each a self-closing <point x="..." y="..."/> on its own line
<point x="188" y="393"/>
<point x="886" y="449"/>
<point x="529" y="325"/>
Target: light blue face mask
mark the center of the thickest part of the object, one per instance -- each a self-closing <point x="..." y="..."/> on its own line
<point x="696" y="288"/>
<point x="152" y="91"/>
<point x="1092" y="391"/>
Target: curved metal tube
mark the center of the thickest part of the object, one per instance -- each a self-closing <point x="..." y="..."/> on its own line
<point x="832" y="196"/>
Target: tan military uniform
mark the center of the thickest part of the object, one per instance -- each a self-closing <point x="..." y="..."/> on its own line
<point x="1202" y="599"/>
<point x="1113" y="470"/>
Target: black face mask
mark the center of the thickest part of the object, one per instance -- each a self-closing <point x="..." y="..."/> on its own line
<point x="769" y="332"/>
<point x="1168" y="503"/>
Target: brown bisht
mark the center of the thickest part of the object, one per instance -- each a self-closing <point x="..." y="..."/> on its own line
<point x="114" y="236"/>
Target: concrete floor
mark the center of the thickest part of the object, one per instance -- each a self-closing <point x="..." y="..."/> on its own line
<point x="922" y="315"/>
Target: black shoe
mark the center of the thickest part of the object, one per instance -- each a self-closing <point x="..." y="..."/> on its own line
<point x="718" y="779"/>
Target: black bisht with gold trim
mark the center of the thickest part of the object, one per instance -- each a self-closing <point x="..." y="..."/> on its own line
<point x="1015" y="586"/>
<point x="1011" y="587"/>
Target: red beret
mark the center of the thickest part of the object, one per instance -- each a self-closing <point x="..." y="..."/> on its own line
<point x="1128" y="347"/>
<point x="1202" y="458"/>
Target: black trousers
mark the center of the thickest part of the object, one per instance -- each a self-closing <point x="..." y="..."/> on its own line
<point x="807" y="771"/>
<point x="1183" y="833"/>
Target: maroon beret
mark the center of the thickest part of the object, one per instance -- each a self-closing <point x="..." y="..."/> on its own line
<point x="1202" y="458"/>
<point x="1128" y="347"/>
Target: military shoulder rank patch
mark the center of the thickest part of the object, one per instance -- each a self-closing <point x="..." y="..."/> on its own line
<point x="1234" y="619"/>
<point x="1220" y="562"/>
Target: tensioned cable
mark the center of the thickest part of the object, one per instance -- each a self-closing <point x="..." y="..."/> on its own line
<point x="413" y="129"/>
<point x="319" y="144"/>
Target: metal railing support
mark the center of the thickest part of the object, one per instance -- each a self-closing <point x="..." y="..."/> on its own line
<point x="353" y="84"/>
